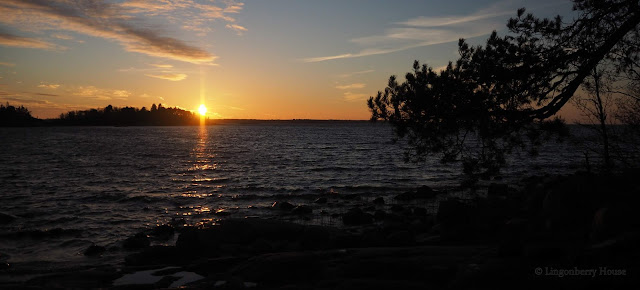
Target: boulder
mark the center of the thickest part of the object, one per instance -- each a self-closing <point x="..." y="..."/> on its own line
<point x="282" y="205"/>
<point x="302" y="210"/>
<point x="356" y="217"/>
<point x="379" y="201"/>
<point x="320" y="200"/>
<point x="163" y="232"/>
<point x="6" y="218"/>
<point x="497" y="190"/>
<point x="422" y="192"/>
<point x="401" y="238"/>
<point x="94" y="250"/>
<point x="139" y="241"/>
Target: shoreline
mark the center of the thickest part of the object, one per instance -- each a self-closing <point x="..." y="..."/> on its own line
<point x="548" y="224"/>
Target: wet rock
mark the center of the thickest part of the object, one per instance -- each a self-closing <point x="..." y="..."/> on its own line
<point x="163" y="232"/>
<point x="356" y="217"/>
<point x="497" y="190"/>
<point x="6" y="218"/>
<point x="302" y="210"/>
<point x="282" y="205"/>
<point x="139" y="241"/>
<point x="420" y="211"/>
<point x="274" y="268"/>
<point x="379" y="201"/>
<point x="155" y="255"/>
<point x="94" y="250"/>
<point x="422" y="192"/>
<point x="425" y="192"/>
<point x="379" y="215"/>
<point x="320" y="200"/>
<point x="401" y="238"/>
<point x="397" y="208"/>
<point x="99" y="278"/>
<point x="454" y="212"/>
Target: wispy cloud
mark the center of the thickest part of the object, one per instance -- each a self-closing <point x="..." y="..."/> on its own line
<point x="425" y="31"/>
<point x="347" y="75"/>
<point x="162" y="65"/>
<point x="239" y="29"/>
<point x="351" y="86"/>
<point x="7" y="64"/>
<point x="352" y="97"/>
<point x="100" y="94"/>
<point x="169" y="76"/>
<point x="7" y="39"/>
<point x="117" y="22"/>
<point x="24" y="100"/>
<point x="48" y="86"/>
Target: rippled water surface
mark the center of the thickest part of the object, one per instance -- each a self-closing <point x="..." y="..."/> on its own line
<point x="70" y="187"/>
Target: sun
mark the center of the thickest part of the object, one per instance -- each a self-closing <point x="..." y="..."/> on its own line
<point x="202" y="110"/>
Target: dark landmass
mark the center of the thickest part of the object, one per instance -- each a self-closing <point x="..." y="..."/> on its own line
<point x="545" y="232"/>
<point x="11" y="116"/>
<point x="128" y="116"/>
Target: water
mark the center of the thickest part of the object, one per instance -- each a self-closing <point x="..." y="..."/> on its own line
<point x="74" y="186"/>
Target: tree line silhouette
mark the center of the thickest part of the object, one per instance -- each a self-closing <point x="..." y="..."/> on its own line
<point x="16" y="116"/>
<point x="129" y="116"/>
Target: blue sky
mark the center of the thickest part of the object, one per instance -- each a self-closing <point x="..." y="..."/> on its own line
<point x="259" y="59"/>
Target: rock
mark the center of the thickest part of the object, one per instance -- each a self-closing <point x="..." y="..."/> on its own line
<point x="356" y="217"/>
<point x="614" y="220"/>
<point x="420" y="212"/>
<point x="422" y="192"/>
<point x="401" y="238"/>
<point x="320" y="200"/>
<point x="163" y="232"/>
<point x="6" y="218"/>
<point x="379" y="200"/>
<point x="425" y="192"/>
<point x="497" y="190"/>
<point x="155" y="255"/>
<point x="405" y="196"/>
<point x="282" y="205"/>
<point x="94" y="250"/>
<point x="302" y="210"/>
<point x="379" y="215"/>
<point x="291" y="266"/>
<point x="453" y="212"/>
<point x="138" y="241"/>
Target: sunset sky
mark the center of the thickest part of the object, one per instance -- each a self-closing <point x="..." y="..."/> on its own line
<point x="259" y="59"/>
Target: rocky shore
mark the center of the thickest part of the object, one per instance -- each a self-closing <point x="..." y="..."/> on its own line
<point x="578" y="231"/>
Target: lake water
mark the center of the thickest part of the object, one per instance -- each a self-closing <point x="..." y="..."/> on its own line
<point x="74" y="186"/>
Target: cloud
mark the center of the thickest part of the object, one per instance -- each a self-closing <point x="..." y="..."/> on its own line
<point x="352" y="97"/>
<point x="7" y="64"/>
<point x="169" y="76"/>
<point x="426" y="31"/>
<point x="239" y="29"/>
<point x="62" y="36"/>
<point x="100" y="93"/>
<point x="116" y="22"/>
<point x="48" y="86"/>
<point x="162" y="65"/>
<point x="346" y="75"/>
<point x="351" y="86"/>
<point x="23" y="100"/>
<point x="7" y="39"/>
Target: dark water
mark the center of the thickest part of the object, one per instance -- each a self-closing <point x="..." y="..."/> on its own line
<point x="74" y="186"/>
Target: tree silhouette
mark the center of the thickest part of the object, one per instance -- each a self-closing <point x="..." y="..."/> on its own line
<point x="129" y="116"/>
<point x="15" y="116"/>
<point x="503" y="96"/>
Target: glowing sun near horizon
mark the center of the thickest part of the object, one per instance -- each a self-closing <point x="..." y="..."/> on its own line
<point x="202" y="110"/>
